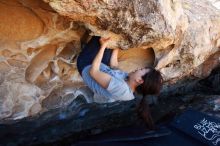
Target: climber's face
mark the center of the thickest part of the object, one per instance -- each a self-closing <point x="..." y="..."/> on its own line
<point x="136" y="75"/>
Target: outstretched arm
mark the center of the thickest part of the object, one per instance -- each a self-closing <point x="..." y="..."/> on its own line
<point x="114" y="59"/>
<point x="100" y="77"/>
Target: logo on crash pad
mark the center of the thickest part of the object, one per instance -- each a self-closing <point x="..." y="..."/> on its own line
<point x="209" y="130"/>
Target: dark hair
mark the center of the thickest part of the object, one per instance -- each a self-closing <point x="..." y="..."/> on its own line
<point x="152" y="85"/>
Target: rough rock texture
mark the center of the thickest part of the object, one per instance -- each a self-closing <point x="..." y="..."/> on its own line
<point x="40" y="42"/>
<point x="78" y="119"/>
<point x="57" y="124"/>
<point x="38" y="51"/>
<point x="184" y="34"/>
<point x="32" y="38"/>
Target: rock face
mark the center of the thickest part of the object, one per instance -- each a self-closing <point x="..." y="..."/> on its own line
<point x="38" y="54"/>
<point x="32" y="38"/>
<point x="78" y="119"/>
<point x="40" y="41"/>
<point x="184" y="34"/>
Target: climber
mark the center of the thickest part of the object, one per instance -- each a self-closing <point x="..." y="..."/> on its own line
<point x="95" y="64"/>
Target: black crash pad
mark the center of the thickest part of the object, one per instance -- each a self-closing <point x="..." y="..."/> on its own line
<point x="200" y="126"/>
<point x="186" y="129"/>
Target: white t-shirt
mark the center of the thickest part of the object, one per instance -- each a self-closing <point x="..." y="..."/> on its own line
<point x="117" y="90"/>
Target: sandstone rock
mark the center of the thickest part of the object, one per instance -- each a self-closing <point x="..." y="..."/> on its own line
<point x="17" y="96"/>
<point x="31" y="39"/>
<point x="43" y="45"/>
<point x="39" y="44"/>
<point x="40" y="62"/>
<point x="132" y="59"/>
<point x="138" y="22"/>
<point x="18" y="23"/>
<point x="172" y="28"/>
<point x="79" y="119"/>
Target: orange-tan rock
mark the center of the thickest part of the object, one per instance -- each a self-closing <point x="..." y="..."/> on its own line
<point x="40" y="41"/>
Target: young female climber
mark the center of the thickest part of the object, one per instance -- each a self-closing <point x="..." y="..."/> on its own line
<point x="95" y="63"/>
